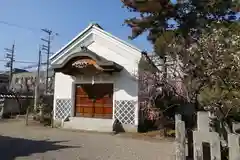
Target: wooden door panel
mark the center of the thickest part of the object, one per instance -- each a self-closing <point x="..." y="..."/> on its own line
<point x="97" y="105"/>
<point x="107" y="110"/>
<point x="82" y="96"/>
<point x="85" y="106"/>
<point x="99" y="101"/>
<point x="88" y="110"/>
<point x="107" y="106"/>
<point x="108" y="102"/>
<point x="99" y="110"/>
<point x="81" y="110"/>
<point x="101" y="107"/>
<point x="78" y="109"/>
<point x="85" y="100"/>
<point x="77" y="100"/>
<point x="80" y="89"/>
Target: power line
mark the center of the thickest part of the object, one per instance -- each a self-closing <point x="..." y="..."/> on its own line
<point x="33" y="64"/>
<point x="3" y="60"/>
<point x="44" y="47"/>
<point x="24" y="27"/>
<point x="18" y="26"/>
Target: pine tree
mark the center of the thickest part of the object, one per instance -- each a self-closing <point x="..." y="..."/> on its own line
<point x="205" y="37"/>
<point x="187" y="18"/>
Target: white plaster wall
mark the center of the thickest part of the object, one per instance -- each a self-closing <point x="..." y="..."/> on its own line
<point x="62" y="87"/>
<point x="114" y="52"/>
<point x="126" y="88"/>
<point x="101" y="78"/>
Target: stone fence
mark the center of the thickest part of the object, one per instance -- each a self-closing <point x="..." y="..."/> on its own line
<point x="202" y="136"/>
<point x="11" y="105"/>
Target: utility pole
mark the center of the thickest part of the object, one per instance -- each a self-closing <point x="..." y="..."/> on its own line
<point x="36" y="98"/>
<point x="10" y="56"/>
<point x="47" y="48"/>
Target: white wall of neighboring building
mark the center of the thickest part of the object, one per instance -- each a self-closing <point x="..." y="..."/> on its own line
<point x="173" y="67"/>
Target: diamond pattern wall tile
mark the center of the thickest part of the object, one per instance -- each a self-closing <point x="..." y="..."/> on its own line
<point x="125" y="111"/>
<point x="63" y="108"/>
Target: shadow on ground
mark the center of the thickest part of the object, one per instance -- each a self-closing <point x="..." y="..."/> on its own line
<point x="11" y="147"/>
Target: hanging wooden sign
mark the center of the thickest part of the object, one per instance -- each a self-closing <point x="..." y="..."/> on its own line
<point x="82" y="63"/>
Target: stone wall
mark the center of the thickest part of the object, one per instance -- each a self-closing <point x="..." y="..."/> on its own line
<point x="203" y="137"/>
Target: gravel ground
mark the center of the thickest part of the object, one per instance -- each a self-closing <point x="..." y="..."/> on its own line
<point x="40" y="143"/>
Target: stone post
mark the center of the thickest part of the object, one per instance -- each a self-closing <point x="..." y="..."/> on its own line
<point x="234" y="146"/>
<point x="209" y="137"/>
<point x="203" y="121"/>
<point x="180" y="138"/>
<point x="236" y="127"/>
<point x="203" y="135"/>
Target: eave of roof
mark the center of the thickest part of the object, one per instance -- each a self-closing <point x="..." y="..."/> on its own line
<point x="98" y="28"/>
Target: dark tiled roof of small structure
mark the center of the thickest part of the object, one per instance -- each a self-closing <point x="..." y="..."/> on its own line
<point x="33" y="74"/>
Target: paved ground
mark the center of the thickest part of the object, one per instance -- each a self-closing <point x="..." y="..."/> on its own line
<point x="39" y="143"/>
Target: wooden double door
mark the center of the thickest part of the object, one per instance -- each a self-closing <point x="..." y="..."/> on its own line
<point x="95" y="101"/>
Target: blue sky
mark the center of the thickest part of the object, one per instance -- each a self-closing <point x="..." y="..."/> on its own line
<point x="67" y="18"/>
